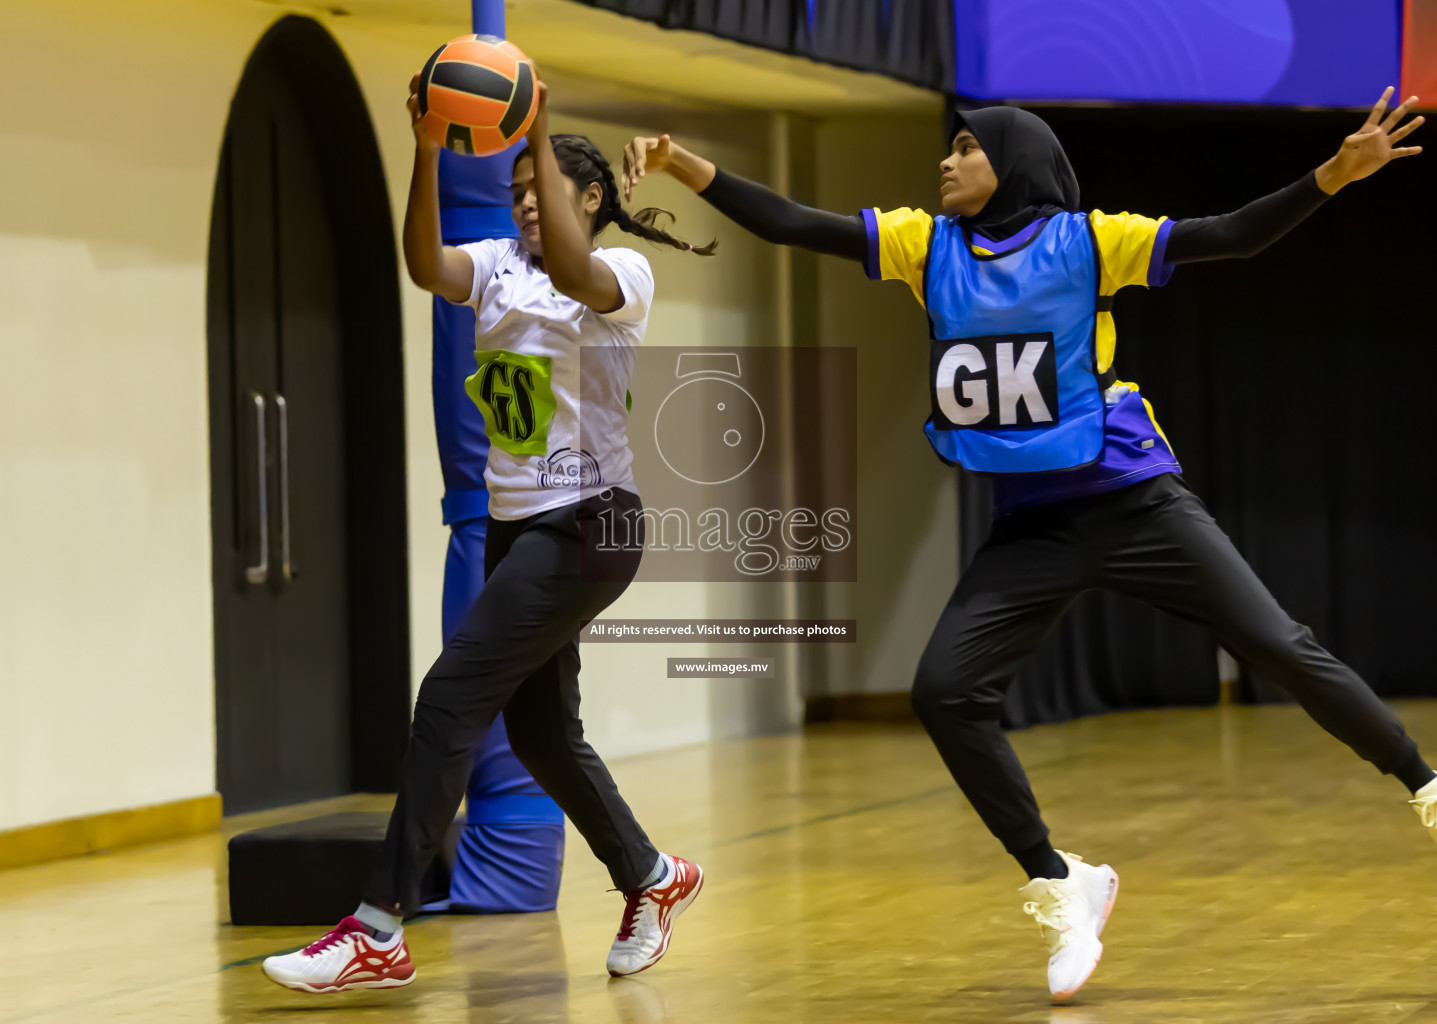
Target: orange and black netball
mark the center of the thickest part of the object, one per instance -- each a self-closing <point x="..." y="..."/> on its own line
<point x="478" y="95"/>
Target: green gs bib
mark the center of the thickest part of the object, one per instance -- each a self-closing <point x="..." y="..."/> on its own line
<point x="516" y="396"/>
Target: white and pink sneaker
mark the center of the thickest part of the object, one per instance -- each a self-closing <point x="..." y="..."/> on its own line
<point x="1071" y="913"/>
<point x="347" y="958"/>
<point x="649" y="915"/>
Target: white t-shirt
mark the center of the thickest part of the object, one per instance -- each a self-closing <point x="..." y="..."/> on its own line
<point x="532" y="384"/>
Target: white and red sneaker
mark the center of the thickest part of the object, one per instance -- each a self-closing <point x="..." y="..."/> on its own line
<point x="347" y="958"/>
<point x="649" y="915"/>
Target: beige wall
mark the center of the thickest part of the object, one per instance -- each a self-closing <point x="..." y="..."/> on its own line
<point x="907" y="499"/>
<point x="106" y="654"/>
<point x="106" y="646"/>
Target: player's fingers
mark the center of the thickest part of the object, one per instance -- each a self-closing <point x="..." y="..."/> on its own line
<point x="1394" y="118"/>
<point x="1407" y="129"/>
<point x="1406" y="151"/>
<point x="1379" y="108"/>
<point x="633" y="160"/>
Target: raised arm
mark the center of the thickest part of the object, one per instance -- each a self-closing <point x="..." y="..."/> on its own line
<point x="569" y="258"/>
<point x="770" y="216"/>
<point x="1248" y="231"/>
<point x="433" y="266"/>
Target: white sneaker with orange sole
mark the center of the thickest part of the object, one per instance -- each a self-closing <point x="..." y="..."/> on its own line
<point x="346" y="958"/>
<point x="1071" y="913"/>
<point x="649" y="915"/>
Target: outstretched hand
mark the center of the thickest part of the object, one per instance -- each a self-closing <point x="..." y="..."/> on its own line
<point x="1372" y="146"/>
<point x="642" y="155"/>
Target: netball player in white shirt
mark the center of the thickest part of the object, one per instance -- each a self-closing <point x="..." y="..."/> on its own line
<point x="539" y="299"/>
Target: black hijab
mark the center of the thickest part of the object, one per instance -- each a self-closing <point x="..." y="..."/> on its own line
<point x="1034" y="176"/>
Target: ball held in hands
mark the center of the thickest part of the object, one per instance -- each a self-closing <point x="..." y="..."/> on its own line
<point x="477" y="95"/>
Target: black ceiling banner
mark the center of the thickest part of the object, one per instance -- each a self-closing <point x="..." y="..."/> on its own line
<point x="908" y="40"/>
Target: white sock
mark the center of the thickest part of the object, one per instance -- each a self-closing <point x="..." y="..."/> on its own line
<point x="662" y="873"/>
<point x="382" y="921"/>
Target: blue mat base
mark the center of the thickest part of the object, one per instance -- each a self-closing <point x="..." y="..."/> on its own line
<point x="505" y="869"/>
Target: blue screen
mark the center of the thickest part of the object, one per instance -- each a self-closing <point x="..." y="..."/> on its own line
<point x="1333" y="53"/>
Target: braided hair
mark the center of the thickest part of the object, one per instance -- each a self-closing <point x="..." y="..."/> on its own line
<point x="581" y="161"/>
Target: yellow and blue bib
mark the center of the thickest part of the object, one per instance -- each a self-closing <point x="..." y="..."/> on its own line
<point x="1131" y="252"/>
<point x="1012" y="372"/>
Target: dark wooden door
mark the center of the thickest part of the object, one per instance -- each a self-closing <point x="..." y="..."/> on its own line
<point x="281" y="616"/>
<point x="307" y="444"/>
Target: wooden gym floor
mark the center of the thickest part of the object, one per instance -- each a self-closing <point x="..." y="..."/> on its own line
<point x="1268" y="875"/>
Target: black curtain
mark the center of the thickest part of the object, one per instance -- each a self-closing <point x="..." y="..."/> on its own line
<point x="1294" y="387"/>
<point x="910" y="40"/>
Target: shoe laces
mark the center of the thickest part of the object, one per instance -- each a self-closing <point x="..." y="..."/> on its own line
<point x="338" y="934"/>
<point x="633" y="904"/>
<point x="1051" y="913"/>
<point x="1426" y="809"/>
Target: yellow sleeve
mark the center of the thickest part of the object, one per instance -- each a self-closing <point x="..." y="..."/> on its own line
<point x="1125" y="245"/>
<point x="901" y="238"/>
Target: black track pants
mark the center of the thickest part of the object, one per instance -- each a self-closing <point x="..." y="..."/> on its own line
<point x="1154" y="541"/>
<point x="518" y="652"/>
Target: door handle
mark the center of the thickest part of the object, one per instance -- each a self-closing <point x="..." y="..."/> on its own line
<point x="260" y="573"/>
<point x="286" y="570"/>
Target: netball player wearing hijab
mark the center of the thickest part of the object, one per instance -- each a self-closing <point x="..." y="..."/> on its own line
<point x="1017" y="283"/>
<point x="540" y="300"/>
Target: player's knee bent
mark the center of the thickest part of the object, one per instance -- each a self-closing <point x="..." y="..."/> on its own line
<point x="441" y="732"/>
<point x="945" y="691"/>
<point x="445" y="693"/>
